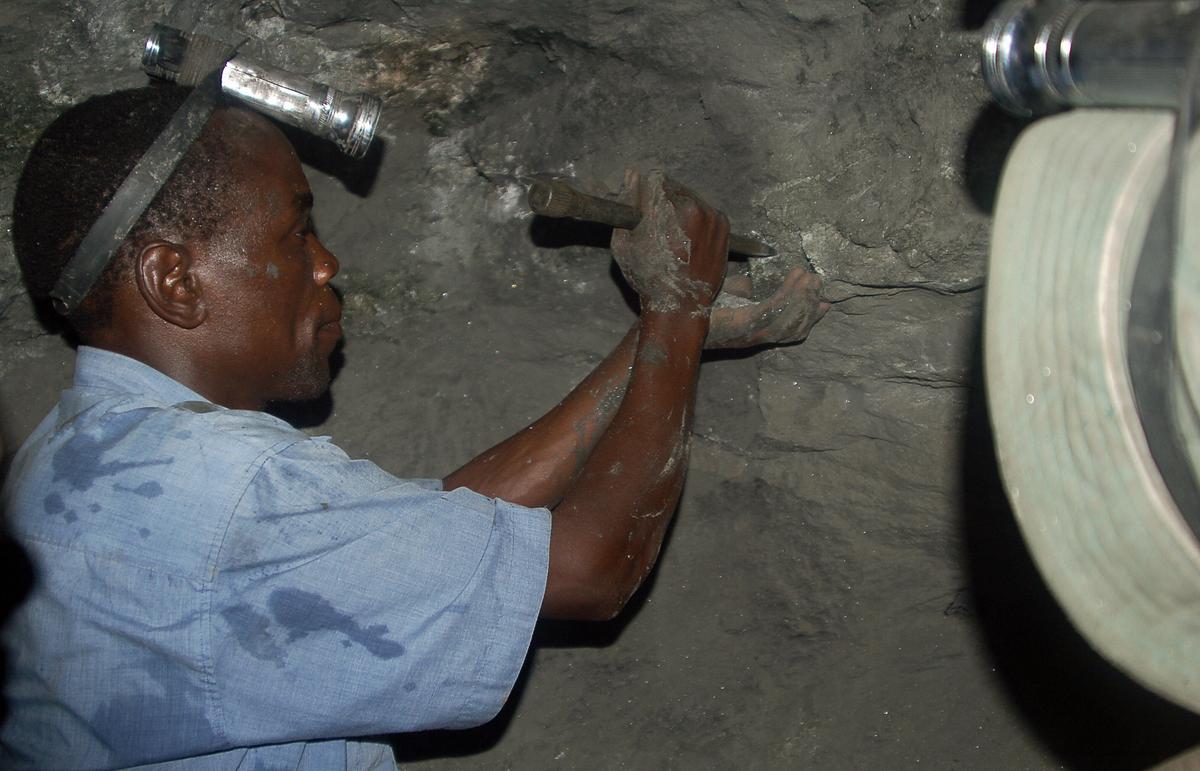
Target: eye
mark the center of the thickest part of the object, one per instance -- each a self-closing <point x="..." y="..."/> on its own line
<point x="305" y="230"/>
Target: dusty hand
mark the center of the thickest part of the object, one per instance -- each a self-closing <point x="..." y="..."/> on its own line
<point x="784" y="317"/>
<point x="675" y="258"/>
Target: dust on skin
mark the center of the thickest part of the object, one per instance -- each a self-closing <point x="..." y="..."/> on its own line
<point x="653" y="254"/>
<point x="678" y="455"/>
<point x="785" y="317"/>
<point x="608" y="397"/>
<point x="652" y="257"/>
<point x="653" y="353"/>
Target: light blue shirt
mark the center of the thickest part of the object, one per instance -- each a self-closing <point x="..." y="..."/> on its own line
<point x="215" y="585"/>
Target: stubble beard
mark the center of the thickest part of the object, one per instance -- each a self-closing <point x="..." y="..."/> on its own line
<point x="308" y="380"/>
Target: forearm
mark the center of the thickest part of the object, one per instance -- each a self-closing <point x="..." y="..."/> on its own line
<point x="536" y="466"/>
<point x="609" y="527"/>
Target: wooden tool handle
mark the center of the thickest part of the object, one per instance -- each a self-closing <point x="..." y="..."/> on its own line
<point x="556" y="198"/>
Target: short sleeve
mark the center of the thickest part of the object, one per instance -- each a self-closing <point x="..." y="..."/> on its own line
<point x="349" y="602"/>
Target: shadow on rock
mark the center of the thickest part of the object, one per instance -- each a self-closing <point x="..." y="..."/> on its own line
<point x="1086" y="711"/>
<point x="974" y="13"/>
<point x="992" y="136"/>
<point x="358" y="175"/>
<point x="556" y="233"/>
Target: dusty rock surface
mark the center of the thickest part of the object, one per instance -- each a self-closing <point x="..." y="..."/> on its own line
<point x="844" y="586"/>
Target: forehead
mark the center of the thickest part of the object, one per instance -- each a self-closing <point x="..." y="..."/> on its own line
<point x="270" y="179"/>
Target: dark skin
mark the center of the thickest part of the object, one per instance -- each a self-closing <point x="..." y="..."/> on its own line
<point x="248" y="316"/>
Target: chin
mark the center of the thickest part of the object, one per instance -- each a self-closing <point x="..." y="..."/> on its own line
<point x="305" y="383"/>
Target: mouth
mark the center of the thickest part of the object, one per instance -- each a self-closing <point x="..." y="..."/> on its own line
<point x="331" y="329"/>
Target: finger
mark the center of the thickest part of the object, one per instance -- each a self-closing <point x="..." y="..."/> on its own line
<point x="630" y="185"/>
<point x="738" y="286"/>
<point x="650" y="190"/>
<point x="679" y="193"/>
<point x="721" y="228"/>
<point x="808" y="280"/>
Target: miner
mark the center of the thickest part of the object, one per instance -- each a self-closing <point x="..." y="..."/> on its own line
<point x="215" y="589"/>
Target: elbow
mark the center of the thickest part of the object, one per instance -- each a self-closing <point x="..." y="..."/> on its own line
<point x="603" y="606"/>
<point x="599" y="610"/>
<point x="598" y="592"/>
<point x="609" y="604"/>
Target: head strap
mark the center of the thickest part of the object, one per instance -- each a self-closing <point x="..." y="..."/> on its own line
<point x="133" y="196"/>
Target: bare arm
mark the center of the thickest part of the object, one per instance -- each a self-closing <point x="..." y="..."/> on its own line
<point x="535" y="466"/>
<point x="610" y="458"/>
<point x="607" y="531"/>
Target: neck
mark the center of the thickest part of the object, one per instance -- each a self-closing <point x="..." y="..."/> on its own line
<point x="181" y="356"/>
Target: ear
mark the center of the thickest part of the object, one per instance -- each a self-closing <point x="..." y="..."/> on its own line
<point x="169" y="285"/>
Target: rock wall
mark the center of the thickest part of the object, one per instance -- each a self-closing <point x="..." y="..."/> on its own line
<point x="844" y="586"/>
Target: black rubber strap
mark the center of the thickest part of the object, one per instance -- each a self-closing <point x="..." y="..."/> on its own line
<point x="134" y="195"/>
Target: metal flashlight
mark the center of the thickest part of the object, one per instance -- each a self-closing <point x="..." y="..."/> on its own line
<point x="349" y="120"/>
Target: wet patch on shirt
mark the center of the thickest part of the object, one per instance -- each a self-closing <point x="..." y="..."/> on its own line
<point x="144" y="532"/>
<point x="145" y="489"/>
<point x="162" y="715"/>
<point x="200" y="408"/>
<point x="53" y="504"/>
<point x="252" y="630"/>
<point x="94" y="508"/>
<point x="78" y="462"/>
<point x="305" y="612"/>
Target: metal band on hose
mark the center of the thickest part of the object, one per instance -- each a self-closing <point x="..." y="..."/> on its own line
<point x="133" y="196"/>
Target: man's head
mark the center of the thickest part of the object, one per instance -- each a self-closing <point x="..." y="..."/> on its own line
<point x="221" y="283"/>
<point x="73" y="172"/>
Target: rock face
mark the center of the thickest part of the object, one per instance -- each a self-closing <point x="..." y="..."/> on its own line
<point x="844" y="586"/>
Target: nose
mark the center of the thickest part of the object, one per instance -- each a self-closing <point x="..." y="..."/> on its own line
<point x="325" y="265"/>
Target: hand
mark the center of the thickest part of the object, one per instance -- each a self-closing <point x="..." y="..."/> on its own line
<point x="784" y="317"/>
<point x="675" y="258"/>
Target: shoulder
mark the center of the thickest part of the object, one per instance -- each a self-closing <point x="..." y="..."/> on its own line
<point x="140" y="481"/>
<point x="242" y="430"/>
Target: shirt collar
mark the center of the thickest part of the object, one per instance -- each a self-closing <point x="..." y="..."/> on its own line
<point x="101" y="369"/>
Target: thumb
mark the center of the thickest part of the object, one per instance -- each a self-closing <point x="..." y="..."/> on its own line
<point x="630" y="186"/>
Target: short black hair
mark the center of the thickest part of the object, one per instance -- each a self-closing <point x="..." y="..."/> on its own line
<point x="75" y="168"/>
